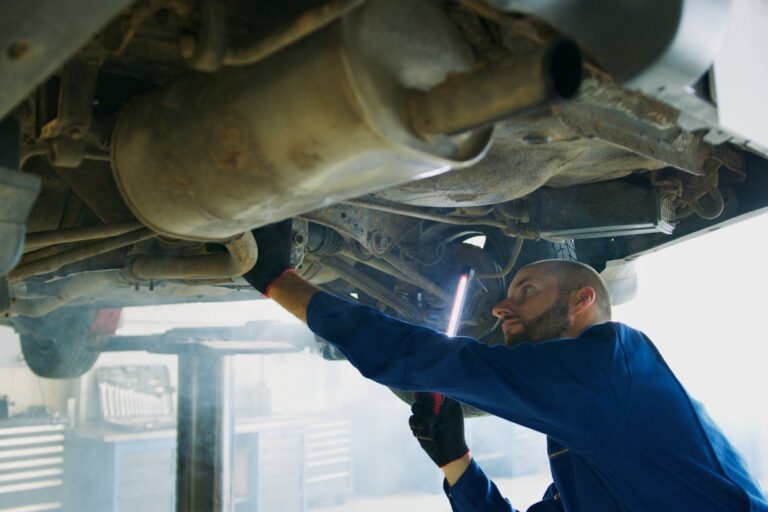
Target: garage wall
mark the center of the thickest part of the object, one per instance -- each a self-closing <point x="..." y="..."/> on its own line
<point x="24" y="388"/>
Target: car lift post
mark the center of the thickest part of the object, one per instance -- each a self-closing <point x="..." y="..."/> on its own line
<point x="205" y="417"/>
<point x="204" y="432"/>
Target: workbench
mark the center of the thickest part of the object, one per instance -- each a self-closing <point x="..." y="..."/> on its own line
<point x="280" y="463"/>
<point x="31" y="464"/>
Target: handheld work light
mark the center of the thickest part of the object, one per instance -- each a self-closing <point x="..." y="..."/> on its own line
<point x="453" y="321"/>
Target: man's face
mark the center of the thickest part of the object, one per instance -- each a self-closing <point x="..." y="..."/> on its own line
<point x="535" y="309"/>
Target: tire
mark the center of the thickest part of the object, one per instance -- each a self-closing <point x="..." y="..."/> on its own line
<point x="537" y="250"/>
<point x="58" y="345"/>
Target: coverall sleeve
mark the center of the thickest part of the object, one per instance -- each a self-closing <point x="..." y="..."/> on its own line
<point x="571" y="391"/>
<point x="475" y="492"/>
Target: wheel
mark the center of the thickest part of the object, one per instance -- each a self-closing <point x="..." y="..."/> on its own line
<point x="57" y="345"/>
<point x="536" y="250"/>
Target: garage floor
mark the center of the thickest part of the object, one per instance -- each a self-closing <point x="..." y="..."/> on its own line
<point x="523" y="492"/>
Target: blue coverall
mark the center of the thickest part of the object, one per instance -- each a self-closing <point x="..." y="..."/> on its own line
<point x="622" y="433"/>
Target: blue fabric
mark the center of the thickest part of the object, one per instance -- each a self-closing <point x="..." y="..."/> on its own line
<point x="475" y="491"/>
<point x="623" y="435"/>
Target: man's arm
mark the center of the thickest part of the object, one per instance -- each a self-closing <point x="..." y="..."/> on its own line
<point x="454" y="470"/>
<point x="553" y="387"/>
<point x="572" y="391"/>
<point x="293" y="293"/>
<point x="475" y="492"/>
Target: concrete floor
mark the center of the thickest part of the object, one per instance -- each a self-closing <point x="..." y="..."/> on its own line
<point x="522" y="492"/>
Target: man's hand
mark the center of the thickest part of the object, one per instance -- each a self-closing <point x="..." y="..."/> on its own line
<point x="440" y="434"/>
<point x="274" y="261"/>
<point x="274" y="242"/>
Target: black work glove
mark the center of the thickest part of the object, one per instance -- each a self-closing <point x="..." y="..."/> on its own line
<point x="441" y="435"/>
<point x="274" y="242"/>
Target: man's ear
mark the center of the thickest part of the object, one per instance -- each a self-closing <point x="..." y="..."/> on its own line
<point x="582" y="299"/>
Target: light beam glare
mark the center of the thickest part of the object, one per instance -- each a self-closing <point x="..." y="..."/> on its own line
<point x="458" y="304"/>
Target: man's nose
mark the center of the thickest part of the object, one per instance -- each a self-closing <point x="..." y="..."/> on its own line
<point x="503" y="308"/>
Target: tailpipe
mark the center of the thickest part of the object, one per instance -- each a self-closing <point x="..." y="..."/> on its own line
<point x="242" y="253"/>
<point x="521" y="81"/>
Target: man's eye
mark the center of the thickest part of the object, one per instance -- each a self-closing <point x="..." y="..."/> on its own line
<point x="526" y="291"/>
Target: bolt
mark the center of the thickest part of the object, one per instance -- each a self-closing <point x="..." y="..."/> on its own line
<point x="537" y="138"/>
<point x="379" y="241"/>
<point x="75" y="132"/>
<point x="298" y="239"/>
<point x="187" y="46"/>
<point x="17" y="50"/>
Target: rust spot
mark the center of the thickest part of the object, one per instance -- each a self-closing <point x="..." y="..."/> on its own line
<point x="17" y="50"/>
<point x="304" y="159"/>
<point x="235" y="150"/>
<point x="228" y="160"/>
<point x="179" y="184"/>
<point x="227" y="153"/>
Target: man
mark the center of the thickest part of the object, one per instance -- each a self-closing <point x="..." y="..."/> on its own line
<point x="622" y="432"/>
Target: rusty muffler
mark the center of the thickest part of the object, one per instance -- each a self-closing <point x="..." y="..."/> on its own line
<point x="213" y="155"/>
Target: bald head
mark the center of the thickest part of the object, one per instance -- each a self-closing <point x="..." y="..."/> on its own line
<point x="572" y="276"/>
<point x="552" y="299"/>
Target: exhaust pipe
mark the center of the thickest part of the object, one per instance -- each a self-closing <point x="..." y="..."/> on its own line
<point x="520" y="82"/>
<point x="242" y="253"/>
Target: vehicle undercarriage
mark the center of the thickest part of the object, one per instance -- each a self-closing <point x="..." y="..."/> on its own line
<point x="407" y="140"/>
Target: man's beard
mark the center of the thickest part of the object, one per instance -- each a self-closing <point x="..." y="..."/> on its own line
<point x="549" y="325"/>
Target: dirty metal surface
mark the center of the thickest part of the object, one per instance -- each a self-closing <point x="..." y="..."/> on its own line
<point x="213" y="155"/>
<point x="17" y="195"/>
<point x="94" y="184"/>
<point x="378" y="232"/>
<point x="523" y="80"/>
<point x="681" y="47"/>
<point x="604" y="134"/>
<point x="636" y="123"/>
<point x="37" y="37"/>
<point x="51" y="203"/>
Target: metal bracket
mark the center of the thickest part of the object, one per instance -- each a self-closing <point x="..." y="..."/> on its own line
<point x="205" y="50"/>
<point x="258" y="337"/>
<point x="637" y="123"/>
<point x="599" y="210"/>
<point x="377" y="231"/>
<point x="37" y="37"/>
<point x="65" y="135"/>
<point x="17" y="194"/>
